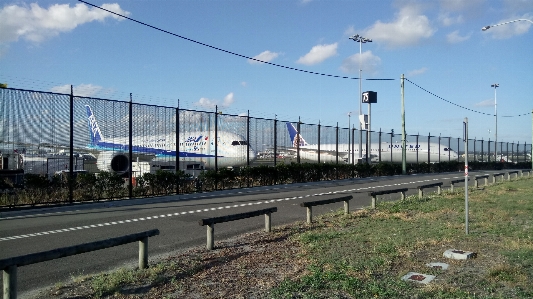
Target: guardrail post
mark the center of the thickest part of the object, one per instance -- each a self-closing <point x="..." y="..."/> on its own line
<point x="346" y="207"/>
<point x="508" y="176"/>
<point x="475" y="183"/>
<point x="420" y="192"/>
<point x="309" y="215"/>
<point x="494" y="179"/>
<point x="486" y="181"/>
<point x="439" y="190"/>
<point x="403" y="195"/>
<point x="268" y="223"/>
<point x="210" y="236"/>
<point x="451" y="187"/>
<point x="373" y="201"/>
<point x="10" y="282"/>
<point x="143" y="253"/>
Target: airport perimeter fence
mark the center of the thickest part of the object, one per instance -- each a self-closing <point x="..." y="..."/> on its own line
<point x="120" y="149"/>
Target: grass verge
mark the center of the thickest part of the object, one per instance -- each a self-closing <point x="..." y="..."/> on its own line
<point x="360" y="255"/>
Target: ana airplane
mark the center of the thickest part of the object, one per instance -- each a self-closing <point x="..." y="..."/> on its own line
<point x="193" y="147"/>
<point x="389" y="152"/>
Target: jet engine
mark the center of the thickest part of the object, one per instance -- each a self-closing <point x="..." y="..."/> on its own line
<point x="116" y="162"/>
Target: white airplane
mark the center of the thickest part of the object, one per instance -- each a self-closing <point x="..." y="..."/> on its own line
<point x="389" y="152"/>
<point x="193" y="146"/>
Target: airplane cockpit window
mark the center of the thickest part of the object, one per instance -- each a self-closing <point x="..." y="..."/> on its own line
<point x="446" y="149"/>
<point x="239" y="143"/>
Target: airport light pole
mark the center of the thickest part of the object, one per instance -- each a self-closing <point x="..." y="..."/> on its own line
<point x="361" y="40"/>
<point x="495" y="85"/>
<point x="485" y="29"/>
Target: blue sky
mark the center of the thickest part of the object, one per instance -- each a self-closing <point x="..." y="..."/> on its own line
<point x="437" y="44"/>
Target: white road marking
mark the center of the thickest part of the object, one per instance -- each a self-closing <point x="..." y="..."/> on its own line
<point x="192" y="211"/>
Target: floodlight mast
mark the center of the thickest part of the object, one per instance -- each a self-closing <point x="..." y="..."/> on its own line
<point x="490" y="26"/>
<point x="361" y="40"/>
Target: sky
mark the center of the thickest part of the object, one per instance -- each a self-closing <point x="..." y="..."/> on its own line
<point x="198" y="52"/>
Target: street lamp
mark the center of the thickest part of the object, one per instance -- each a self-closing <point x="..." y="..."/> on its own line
<point x="485" y="29"/>
<point x="490" y="26"/>
<point x="361" y="40"/>
<point x="495" y="85"/>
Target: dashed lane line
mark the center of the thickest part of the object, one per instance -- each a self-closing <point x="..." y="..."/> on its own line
<point x="186" y="212"/>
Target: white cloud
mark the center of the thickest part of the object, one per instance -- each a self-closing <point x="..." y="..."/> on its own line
<point x="37" y="24"/>
<point x="210" y="104"/>
<point x="244" y="84"/>
<point x="407" y="29"/>
<point x="417" y="72"/>
<point x="318" y="54"/>
<point x="461" y="5"/>
<point x="446" y="20"/>
<point x="265" y="56"/>
<point x="369" y="63"/>
<point x="228" y="100"/>
<point x="511" y="29"/>
<point x="454" y="37"/>
<point x="82" y="90"/>
<point x="486" y="103"/>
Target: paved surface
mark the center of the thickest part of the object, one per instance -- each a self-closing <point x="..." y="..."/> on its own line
<point x="30" y="231"/>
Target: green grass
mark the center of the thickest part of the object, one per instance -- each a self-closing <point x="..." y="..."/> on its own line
<point x="364" y="254"/>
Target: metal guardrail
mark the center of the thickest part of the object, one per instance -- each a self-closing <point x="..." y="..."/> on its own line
<point x="374" y="194"/>
<point x="486" y="177"/>
<point x="452" y="183"/>
<point x="310" y="204"/>
<point x="10" y="265"/>
<point x="422" y="187"/>
<point x="210" y="222"/>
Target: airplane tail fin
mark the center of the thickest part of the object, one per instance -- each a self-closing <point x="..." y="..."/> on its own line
<point x="94" y="129"/>
<point x="295" y="136"/>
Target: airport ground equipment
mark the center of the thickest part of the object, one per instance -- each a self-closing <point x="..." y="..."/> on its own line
<point x="374" y="194"/>
<point x="210" y="222"/>
<point x="310" y="204"/>
<point x="9" y="266"/>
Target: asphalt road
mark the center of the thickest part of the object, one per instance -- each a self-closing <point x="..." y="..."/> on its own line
<point x="30" y="231"/>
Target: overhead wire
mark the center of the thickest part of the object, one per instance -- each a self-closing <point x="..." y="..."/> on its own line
<point x="226" y="51"/>
<point x="463" y="107"/>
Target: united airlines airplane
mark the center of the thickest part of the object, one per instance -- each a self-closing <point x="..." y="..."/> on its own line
<point x="328" y="151"/>
<point x="193" y="146"/>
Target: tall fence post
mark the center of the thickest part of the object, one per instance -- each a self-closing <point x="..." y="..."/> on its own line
<point x="275" y="141"/>
<point x="71" y="147"/>
<point x="216" y="147"/>
<point x="297" y="139"/>
<point x="178" y="147"/>
<point x="465" y="124"/>
<point x="130" y="147"/>
<point x="248" y="149"/>
<point x="318" y="142"/>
